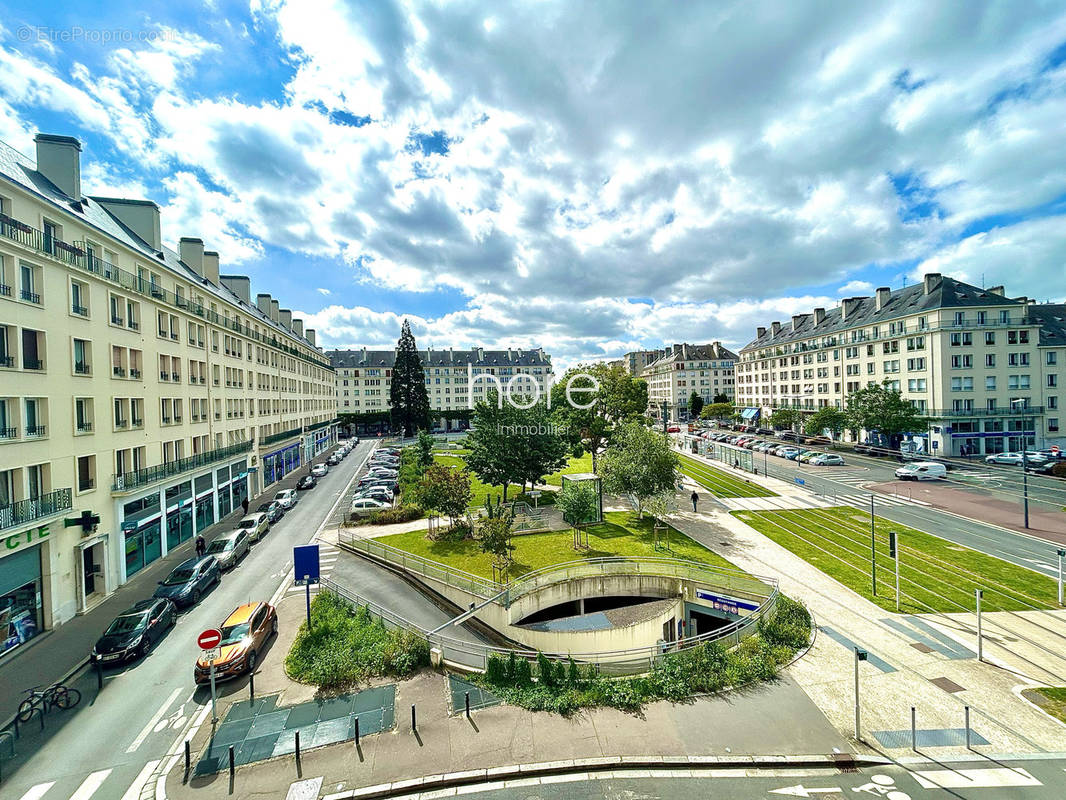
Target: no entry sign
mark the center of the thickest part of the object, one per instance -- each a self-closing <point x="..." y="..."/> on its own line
<point x="209" y="639"/>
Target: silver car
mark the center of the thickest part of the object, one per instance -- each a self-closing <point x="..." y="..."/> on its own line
<point x="229" y="548"/>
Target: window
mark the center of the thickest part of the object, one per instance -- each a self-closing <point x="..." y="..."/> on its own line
<point x="962" y="384"/>
<point x="30" y="281"/>
<point x="1017" y="381"/>
<point x="990" y="359"/>
<point x="86" y="473"/>
<point x="1052" y="381"/>
<point x="1051" y="358"/>
<point x="1053" y="402"/>
<point x="82" y="357"/>
<point x="916" y="385"/>
<point x="962" y="362"/>
<point x="83" y="415"/>
<point x="990" y="383"/>
<point x="1004" y="316"/>
<point x="961" y="339"/>
<point x="1053" y="424"/>
<point x="915" y="364"/>
<point x="33" y="349"/>
<point x="982" y="317"/>
<point x="990" y="337"/>
<point x="79" y="298"/>
<point x="35" y="416"/>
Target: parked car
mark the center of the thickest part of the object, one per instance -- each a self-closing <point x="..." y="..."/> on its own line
<point x="286" y="498"/>
<point x="673" y="429"/>
<point x="787" y="436"/>
<point x="272" y="509"/>
<point x="133" y="632"/>
<point x="821" y="440"/>
<point x="787" y="452"/>
<point x="229" y="548"/>
<point x="806" y="456"/>
<point x="333" y="460"/>
<point x="245" y="633"/>
<point x="921" y="471"/>
<point x="827" y="460"/>
<point x="368" y="504"/>
<point x="377" y="492"/>
<point x="1015" y="459"/>
<point x="384" y="472"/>
<point x="255" y="525"/>
<point x="320" y="470"/>
<point x="394" y="463"/>
<point x="188" y="581"/>
<point x="306" y="482"/>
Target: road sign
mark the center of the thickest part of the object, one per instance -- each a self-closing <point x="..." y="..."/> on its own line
<point x="305" y="563"/>
<point x="800" y="482"/>
<point x="209" y="639"/>
<point x="212" y="655"/>
<point x="1055" y="449"/>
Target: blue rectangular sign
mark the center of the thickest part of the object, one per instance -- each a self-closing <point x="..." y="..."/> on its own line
<point x="305" y="563"/>
<point x="801" y="482"/>
<point x="724" y="603"/>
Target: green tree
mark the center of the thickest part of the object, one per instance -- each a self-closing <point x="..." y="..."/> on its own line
<point x="445" y="490"/>
<point x="611" y="396"/>
<point x="639" y="464"/>
<point x="425" y="449"/>
<point x="720" y="398"/>
<point x="717" y="411"/>
<point x="494" y="538"/>
<point x="580" y="505"/>
<point x="695" y="404"/>
<point x="878" y="408"/>
<point x="826" y="419"/>
<point x="537" y="447"/>
<point x="408" y="395"/>
<point x="787" y="418"/>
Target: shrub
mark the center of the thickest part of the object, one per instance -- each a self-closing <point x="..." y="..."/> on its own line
<point x="390" y="516"/>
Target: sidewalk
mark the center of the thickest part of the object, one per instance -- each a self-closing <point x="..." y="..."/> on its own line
<point x="903" y="671"/>
<point x="57" y="654"/>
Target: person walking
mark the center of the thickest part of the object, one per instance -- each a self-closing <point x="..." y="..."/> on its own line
<point x="244" y="505"/>
<point x="201" y="546"/>
<point x="695" y="499"/>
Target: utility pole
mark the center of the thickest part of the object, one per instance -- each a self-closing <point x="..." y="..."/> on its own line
<point x="873" y="547"/>
<point x="1062" y="554"/>
<point x="1025" y="462"/>
<point x="980" y="638"/>
<point x="893" y="551"/>
<point x="860" y="655"/>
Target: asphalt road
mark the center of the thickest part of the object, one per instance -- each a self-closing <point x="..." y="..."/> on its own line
<point x="979" y="780"/>
<point x="115" y="739"/>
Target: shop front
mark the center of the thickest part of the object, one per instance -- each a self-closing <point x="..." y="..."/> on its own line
<point x="20" y="589"/>
<point x="280" y="463"/>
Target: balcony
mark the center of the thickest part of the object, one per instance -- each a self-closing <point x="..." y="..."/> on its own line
<point x="164" y="376"/>
<point x="8" y="433"/>
<point x="176" y="377"/>
<point x="32" y="363"/>
<point x="203" y="379"/>
<point x="81" y="368"/>
<point x="118" y="372"/>
<point x="81" y="311"/>
<point x="130" y="481"/>
<point x="85" y="427"/>
<point x="277" y="437"/>
<point x="951" y="413"/>
<point x="5" y="290"/>
<point x="36" y="430"/>
<point x="135" y="373"/>
<point x="86" y="484"/>
<point x="162" y="333"/>
<point x="133" y="326"/>
<point x="117" y="321"/>
<point x="23" y="511"/>
<point x="177" y="419"/>
<point x="138" y="422"/>
<point x="175" y="336"/>
<point x="121" y="423"/>
<point x="30" y="297"/>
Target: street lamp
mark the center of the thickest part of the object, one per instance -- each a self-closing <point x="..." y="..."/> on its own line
<point x="860" y="655"/>
<point x="1025" y="464"/>
<point x="1062" y="554"/>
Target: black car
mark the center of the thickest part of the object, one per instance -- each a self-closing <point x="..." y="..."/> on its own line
<point x="273" y="510"/>
<point x="134" y="631"/>
<point x="189" y="580"/>
<point x="306" y="482"/>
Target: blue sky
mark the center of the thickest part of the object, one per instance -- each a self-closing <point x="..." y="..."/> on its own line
<point x="546" y="174"/>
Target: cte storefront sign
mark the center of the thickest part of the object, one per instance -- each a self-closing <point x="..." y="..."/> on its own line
<point x="731" y="605"/>
<point x="32" y="536"/>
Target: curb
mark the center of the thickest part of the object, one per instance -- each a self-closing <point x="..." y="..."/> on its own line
<point x="606" y="763"/>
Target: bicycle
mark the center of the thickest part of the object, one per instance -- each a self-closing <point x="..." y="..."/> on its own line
<point x="56" y="695"/>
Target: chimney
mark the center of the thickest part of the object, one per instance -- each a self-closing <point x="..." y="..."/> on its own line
<point x="59" y="160"/>
<point x="191" y="252"/>
<point x="819" y="316"/>
<point x="364" y="354"/>
<point x="140" y="216"/>
<point x="481" y="354"/>
<point x="240" y="285"/>
<point x="931" y="282"/>
<point x="849" y="306"/>
<point x="1023" y="300"/>
<point x="298" y="327"/>
<point x="262" y="302"/>
<point x="275" y="309"/>
<point x="797" y="320"/>
<point x="211" y="266"/>
<point x="997" y="290"/>
<point x="760" y="332"/>
<point x="309" y="334"/>
<point x="883" y="293"/>
<point x="285" y="315"/>
<point x="775" y="328"/>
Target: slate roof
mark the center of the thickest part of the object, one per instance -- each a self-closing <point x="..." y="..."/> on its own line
<point x="347" y="359"/>
<point x="22" y="171"/>
<point x="695" y="352"/>
<point x="1052" y="319"/>
<point x="950" y="293"/>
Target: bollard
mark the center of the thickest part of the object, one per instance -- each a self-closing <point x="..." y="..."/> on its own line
<point x="468" y="705"/>
<point x="297" y="745"/>
<point x="914" y="730"/>
<point x="414" y="726"/>
<point x="251" y="688"/>
<point x="188" y="757"/>
<point x="357" y="732"/>
<point x="99" y="675"/>
<point x="967" y="712"/>
<point x="231" y="766"/>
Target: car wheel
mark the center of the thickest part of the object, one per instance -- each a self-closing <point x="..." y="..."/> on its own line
<point x="195" y="596"/>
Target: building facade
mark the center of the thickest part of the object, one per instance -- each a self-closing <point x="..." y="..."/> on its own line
<point x="634" y="362"/>
<point x="143" y="395"/>
<point x="455" y="379"/>
<point x="983" y="366"/>
<point x="707" y="369"/>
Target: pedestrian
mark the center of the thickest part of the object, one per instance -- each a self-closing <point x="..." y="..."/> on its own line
<point x="244" y="505"/>
<point x="695" y="499"/>
<point x="736" y="463"/>
<point x="201" y="547"/>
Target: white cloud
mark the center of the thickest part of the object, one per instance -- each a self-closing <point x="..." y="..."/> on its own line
<point x="856" y="288"/>
<point x="323" y="292"/>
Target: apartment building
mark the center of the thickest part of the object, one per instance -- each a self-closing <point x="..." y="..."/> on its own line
<point x="983" y="366"/>
<point x="635" y="361"/>
<point x="706" y="369"/>
<point x="143" y="395"/>
<point x="455" y="379"/>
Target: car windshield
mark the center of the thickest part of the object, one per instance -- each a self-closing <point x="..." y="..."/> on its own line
<point x="220" y="546"/>
<point x="179" y="576"/>
<point x="127" y="623"/>
<point x="232" y="634"/>
<point x="246" y="523"/>
<point x="265" y="508"/>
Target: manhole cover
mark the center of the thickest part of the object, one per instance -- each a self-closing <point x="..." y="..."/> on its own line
<point x="947" y="684"/>
<point x="921" y="648"/>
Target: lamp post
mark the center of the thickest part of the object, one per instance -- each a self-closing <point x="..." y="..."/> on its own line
<point x="860" y="655"/>
<point x="1025" y="463"/>
<point x="1062" y="554"/>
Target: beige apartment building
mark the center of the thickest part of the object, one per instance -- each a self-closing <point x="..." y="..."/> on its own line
<point x="983" y="366"/>
<point x="635" y="361"/>
<point x="143" y="395"/>
<point x="455" y="379"/>
<point x="683" y="368"/>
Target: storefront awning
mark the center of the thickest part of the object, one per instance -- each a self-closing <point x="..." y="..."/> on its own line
<point x="749" y="413"/>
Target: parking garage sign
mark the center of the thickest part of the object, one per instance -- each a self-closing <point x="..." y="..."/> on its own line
<point x="305" y="564"/>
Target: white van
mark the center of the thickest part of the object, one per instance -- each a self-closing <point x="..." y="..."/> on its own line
<point x="922" y="471"/>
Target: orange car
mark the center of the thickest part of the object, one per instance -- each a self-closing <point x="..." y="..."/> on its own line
<point x="244" y="634"/>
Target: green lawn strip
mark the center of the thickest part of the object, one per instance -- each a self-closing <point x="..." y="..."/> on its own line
<point x="582" y="464"/>
<point x="928" y="580"/>
<point x="1006" y="586"/>
<point x="621" y="534"/>
<point x="720" y="483"/>
<point x="1052" y="700"/>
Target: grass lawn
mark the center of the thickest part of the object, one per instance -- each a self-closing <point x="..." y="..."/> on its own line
<point x="621" y="534"/>
<point x="935" y="574"/>
<point x="720" y="483"/>
<point x="583" y="464"/>
<point x="1052" y="700"/>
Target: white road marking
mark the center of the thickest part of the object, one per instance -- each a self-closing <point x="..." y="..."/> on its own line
<point x="134" y="792"/>
<point x="90" y="785"/>
<point x="974" y="778"/>
<point x="37" y="792"/>
<point x="799" y="790"/>
<point x="147" y="729"/>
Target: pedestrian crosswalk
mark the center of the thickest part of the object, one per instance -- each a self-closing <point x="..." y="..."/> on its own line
<point x="863" y="500"/>
<point x="127" y="781"/>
